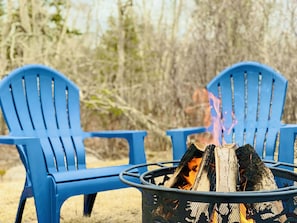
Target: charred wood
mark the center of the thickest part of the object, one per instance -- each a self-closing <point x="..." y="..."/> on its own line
<point x="255" y="176"/>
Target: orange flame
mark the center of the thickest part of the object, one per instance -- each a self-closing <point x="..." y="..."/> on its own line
<point x="193" y="166"/>
<point x="243" y="218"/>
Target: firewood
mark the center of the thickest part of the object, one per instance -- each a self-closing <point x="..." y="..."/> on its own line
<point x="255" y="176"/>
<point x="179" y="178"/>
<point x="226" y="181"/>
<point x="226" y="168"/>
<point x="219" y="168"/>
<point x="205" y="181"/>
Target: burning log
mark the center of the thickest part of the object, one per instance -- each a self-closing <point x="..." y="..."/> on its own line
<point x="255" y="176"/>
<point x="182" y="178"/>
<point x="195" y="171"/>
<point x="187" y="168"/>
<point x="205" y="178"/>
<point x="204" y="181"/>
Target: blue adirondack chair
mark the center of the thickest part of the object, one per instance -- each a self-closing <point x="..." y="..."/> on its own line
<point x="253" y="94"/>
<point x="42" y="111"/>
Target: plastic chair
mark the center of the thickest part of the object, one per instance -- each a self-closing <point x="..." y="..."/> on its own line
<point x="42" y="111"/>
<point x="252" y="97"/>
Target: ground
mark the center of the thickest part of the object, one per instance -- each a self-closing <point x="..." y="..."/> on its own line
<point x="117" y="206"/>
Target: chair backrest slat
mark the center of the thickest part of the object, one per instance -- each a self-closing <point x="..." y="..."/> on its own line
<point x="272" y="133"/>
<point x="59" y="153"/>
<point x="48" y="154"/>
<point x="70" y="153"/>
<point x="47" y="103"/>
<point x="240" y="108"/>
<point x="80" y="154"/>
<point x="278" y="98"/>
<point x="61" y="104"/>
<point x="34" y="102"/>
<point x="73" y="106"/>
<point x="264" y="99"/>
<point x="8" y="110"/>
<point x="20" y="103"/>
<point x="251" y="89"/>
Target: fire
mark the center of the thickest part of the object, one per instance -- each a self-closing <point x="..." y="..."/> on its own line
<point x="243" y="218"/>
<point x="218" y="120"/>
<point x="207" y="102"/>
<point x="217" y="128"/>
<point x="193" y="166"/>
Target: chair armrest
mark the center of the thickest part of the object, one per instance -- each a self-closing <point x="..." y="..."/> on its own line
<point x="179" y="139"/>
<point x="117" y="133"/>
<point x="31" y="148"/>
<point x="287" y="137"/>
<point x="12" y="140"/>
<point x="20" y="141"/>
<point x="135" y="139"/>
<point x="33" y="155"/>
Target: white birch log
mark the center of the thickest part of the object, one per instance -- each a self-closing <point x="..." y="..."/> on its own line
<point x="226" y="180"/>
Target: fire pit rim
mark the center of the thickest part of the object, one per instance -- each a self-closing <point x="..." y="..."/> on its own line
<point x="201" y="196"/>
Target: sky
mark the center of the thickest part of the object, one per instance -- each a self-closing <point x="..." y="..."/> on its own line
<point x="98" y="11"/>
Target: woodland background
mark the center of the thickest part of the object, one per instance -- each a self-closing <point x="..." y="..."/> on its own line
<point x="141" y="71"/>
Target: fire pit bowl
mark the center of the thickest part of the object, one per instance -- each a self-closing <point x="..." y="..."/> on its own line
<point x="161" y="204"/>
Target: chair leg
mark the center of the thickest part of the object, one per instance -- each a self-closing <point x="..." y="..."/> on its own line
<point x="27" y="193"/>
<point x="89" y="200"/>
<point x="20" y="211"/>
<point x="179" y="144"/>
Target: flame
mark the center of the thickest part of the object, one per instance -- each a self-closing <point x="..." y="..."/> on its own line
<point x="218" y="120"/>
<point x="206" y="102"/>
<point x="243" y="218"/>
<point x="193" y="166"/>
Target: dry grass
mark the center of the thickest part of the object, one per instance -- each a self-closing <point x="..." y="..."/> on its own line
<point x="112" y="206"/>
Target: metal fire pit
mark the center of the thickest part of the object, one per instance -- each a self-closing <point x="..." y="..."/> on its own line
<point x="174" y="203"/>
